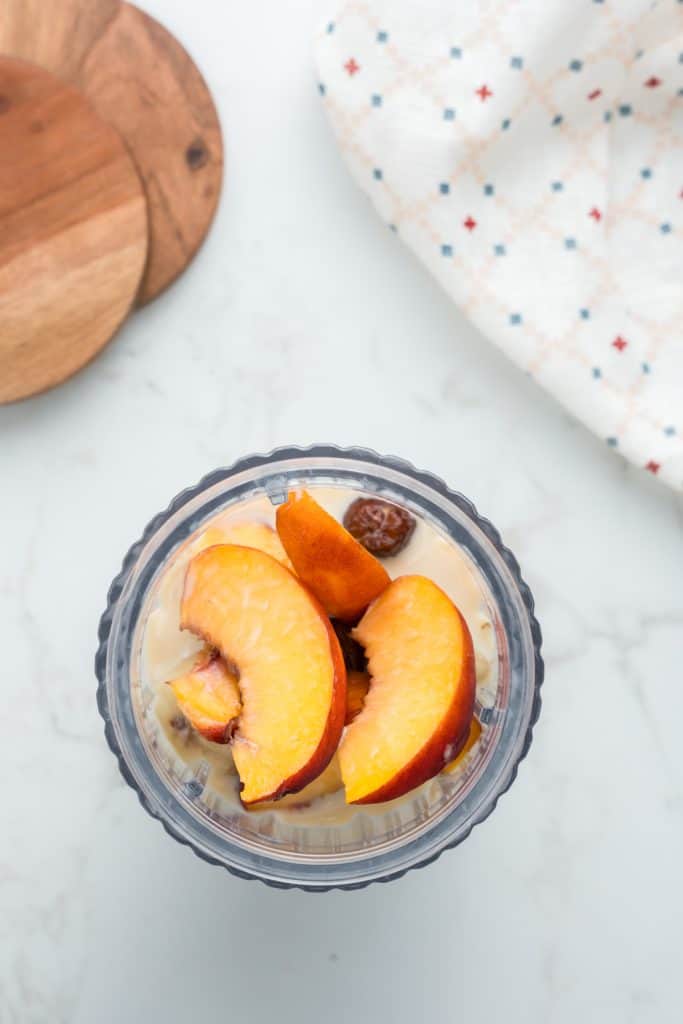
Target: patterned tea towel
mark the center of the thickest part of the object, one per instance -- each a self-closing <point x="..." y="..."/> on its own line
<point x="531" y="153"/>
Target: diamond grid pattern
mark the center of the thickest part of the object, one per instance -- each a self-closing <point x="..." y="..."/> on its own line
<point x="560" y="214"/>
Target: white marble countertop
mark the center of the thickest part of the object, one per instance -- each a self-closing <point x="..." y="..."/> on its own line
<point x="303" y="319"/>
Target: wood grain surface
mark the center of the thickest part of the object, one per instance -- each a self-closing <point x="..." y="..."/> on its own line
<point x="140" y="79"/>
<point x="56" y="34"/>
<point x="73" y="231"/>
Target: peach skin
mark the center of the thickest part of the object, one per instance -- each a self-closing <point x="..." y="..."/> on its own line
<point x="334" y="566"/>
<point x="417" y="714"/>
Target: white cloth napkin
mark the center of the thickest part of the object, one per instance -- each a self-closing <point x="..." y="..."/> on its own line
<point x="531" y="153"/>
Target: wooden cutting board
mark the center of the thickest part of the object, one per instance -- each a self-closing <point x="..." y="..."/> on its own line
<point x="140" y="79"/>
<point x="56" y="34"/>
<point x="73" y="230"/>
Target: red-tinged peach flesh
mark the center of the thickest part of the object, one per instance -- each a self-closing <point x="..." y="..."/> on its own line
<point x="334" y="566"/>
<point x="291" y="671"/>
<point x="418" y="711"/>
<point x="209" y="697"/>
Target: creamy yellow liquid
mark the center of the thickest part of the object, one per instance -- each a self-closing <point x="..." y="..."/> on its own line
<point x="167" y="652"/>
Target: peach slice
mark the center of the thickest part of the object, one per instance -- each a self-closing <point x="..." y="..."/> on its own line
<point x="327" y="782"/>
<point x="291" y="670"/>
<point x="209" y="697"/>
<point x="334" y="566"/>
<point x="472" y="739"/>
<point x="248" y="535"/>
<point x="418" y="711"/>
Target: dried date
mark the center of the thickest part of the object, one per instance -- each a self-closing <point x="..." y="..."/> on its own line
<point x="382" y="528"/>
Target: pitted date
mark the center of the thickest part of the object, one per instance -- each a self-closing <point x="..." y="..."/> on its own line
<point x="382" y="528"/>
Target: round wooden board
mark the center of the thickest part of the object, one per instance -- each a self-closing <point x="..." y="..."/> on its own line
<point x="56" y="34"/>
<point x="140" y="79"/>
<point x="73" y="231"/>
